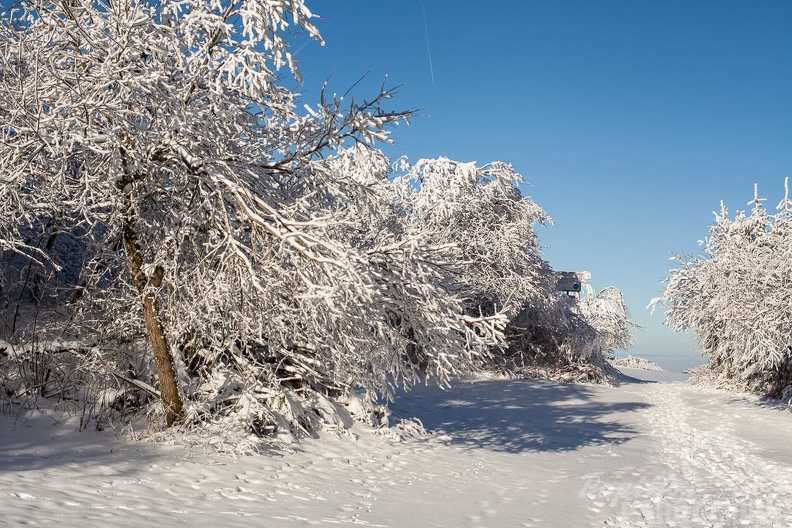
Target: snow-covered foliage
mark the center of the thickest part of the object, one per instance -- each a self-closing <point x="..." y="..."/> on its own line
<point x="635" y="362"/>
<point x="481" y="210"/>
<point x="607" y="313"/>
<point x="569" y="338"/>
<point x="259" y="237"/>
<point x="736" y="297"/>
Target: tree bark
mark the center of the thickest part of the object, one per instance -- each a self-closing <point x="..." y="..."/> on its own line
<point x="146" y="286"/>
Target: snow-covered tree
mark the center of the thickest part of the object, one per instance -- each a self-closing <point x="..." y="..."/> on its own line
<point x="607" y="314"/>
<point x="481" y="210"/>
<point x="570" y="337"/>
<point x="254" y="240"/>
<point x="735" y="297"/>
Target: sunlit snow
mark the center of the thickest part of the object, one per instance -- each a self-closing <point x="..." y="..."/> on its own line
<point x="652" y="452"/>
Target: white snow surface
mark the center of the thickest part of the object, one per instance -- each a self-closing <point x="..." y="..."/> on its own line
<point x="501" y="453"/>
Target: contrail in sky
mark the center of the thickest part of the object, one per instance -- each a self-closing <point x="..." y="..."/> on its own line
<point x="426" y="34"/>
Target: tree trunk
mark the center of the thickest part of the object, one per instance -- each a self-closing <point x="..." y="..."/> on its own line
<point x="147" y="285"/>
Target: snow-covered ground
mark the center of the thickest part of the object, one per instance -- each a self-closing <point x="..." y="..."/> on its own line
<point x="503" y="453"/>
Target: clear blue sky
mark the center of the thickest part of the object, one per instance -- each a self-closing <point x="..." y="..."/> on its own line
<point x="629" y="120"/>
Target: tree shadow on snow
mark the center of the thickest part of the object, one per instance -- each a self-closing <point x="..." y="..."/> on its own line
<point x="521" y="415"/>
<point x="42" y="444"/>
<point x="621" y="377"/>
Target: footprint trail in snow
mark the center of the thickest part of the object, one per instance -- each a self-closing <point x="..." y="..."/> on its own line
<point x="522" y="453"/>
<point x="699" y="471"/>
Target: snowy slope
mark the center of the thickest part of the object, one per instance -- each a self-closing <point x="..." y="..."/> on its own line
<point x="502" y="453"/>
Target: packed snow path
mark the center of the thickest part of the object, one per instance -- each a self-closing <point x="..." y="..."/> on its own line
<point x="502" y="454"/>
<point x="713" y="460"/>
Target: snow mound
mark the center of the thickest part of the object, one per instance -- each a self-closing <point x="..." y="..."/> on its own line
<point x="636" y="362"/>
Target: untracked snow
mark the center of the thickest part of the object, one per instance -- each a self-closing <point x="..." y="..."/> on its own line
<point x="652" y="452"/>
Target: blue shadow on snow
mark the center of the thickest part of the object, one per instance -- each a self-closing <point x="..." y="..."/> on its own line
<point x="523" y="415"/>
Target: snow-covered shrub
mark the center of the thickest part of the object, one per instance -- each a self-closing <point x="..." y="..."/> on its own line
<point x="635" y="362"/>
<point x="736" y="297"/>
<point x="558" y="342"/>
<point x="607" y="314"/>
<point x="481" y="210"/>
<point x="259" y="238"/>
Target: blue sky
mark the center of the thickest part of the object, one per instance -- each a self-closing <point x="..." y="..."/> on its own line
<point x="629" y="120"/>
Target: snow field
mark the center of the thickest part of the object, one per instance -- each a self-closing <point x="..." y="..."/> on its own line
<point x="701" y="470"/>
<point x="517" y="453"/>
